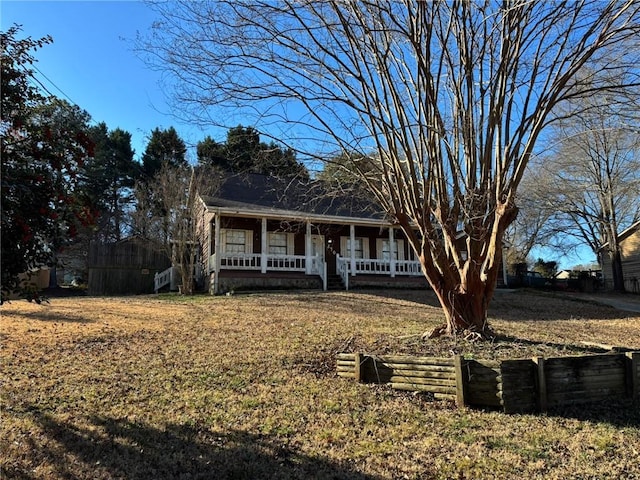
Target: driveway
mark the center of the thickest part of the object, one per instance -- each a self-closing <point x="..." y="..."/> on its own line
<point x="628" y="302"/>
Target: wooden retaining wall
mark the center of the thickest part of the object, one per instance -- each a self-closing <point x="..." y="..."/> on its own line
<point x="524" y="385"/>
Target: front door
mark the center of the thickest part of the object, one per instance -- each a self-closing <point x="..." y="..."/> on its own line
<point x="317" y="246"/>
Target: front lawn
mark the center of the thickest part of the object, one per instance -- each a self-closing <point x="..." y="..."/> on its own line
<point x="167" y="387"/>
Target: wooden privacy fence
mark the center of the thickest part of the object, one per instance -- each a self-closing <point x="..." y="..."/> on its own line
<point x="124" y="268"/>
<point x="525" y="385"/>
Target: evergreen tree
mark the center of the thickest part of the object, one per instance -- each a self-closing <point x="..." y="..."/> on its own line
<point x="44" y="145"/>
<point x="165" y="146"/>
<point x="109" y="179"/>
<point x="243" y="152"/>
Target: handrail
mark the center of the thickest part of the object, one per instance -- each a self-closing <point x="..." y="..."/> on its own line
<point x="162" y="279"/>
<point x="343" y="266"/>
<point x="373" y="266"/>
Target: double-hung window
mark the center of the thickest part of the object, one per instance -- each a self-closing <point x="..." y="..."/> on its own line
<point x="360" y="247"/>
<point x="384" y="250"/>
<point x="280" y="243"/>
<point x="277" y="243"/>
<point x="236" y="241"/>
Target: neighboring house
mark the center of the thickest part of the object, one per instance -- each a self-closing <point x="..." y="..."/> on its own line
<point x="629" y="241"/>
<point x="265" y="232"/>
<point x="563" y="275"/>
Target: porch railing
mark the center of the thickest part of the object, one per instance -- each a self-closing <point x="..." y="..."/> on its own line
<point x="372" y="266"/>
<point x="408" y="267"/>
<point x="167" y="277"/>
<point x="253" y="261"/>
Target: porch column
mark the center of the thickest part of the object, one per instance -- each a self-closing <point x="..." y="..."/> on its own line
<point x="209" y="235"/>
<point x="307" y="249"/>
<point x="352" y="234"/>
<point x="263" y="247"/>
<point x="392" y="253"/>
<point x="217" y="250"/>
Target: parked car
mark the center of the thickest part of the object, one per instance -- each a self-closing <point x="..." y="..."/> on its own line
<point x="529" y="279"/>
<point x="535" y="280"/>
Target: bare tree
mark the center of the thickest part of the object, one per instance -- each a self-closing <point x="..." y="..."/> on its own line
<point x="592" y="178"/>
<point x="530" y="228"/>
<point x="166" y="213"/>
<point x="450" y="96"/>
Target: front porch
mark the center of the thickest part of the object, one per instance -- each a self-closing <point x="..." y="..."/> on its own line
<point x="243" y="250"/>
<point x="243" y="271"/>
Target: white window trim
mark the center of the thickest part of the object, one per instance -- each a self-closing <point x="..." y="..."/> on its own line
<point x="290" y="241"/>
<point x="380" y="248"/>
<point x="248" y="239"/>
<point x="344" y="241"/>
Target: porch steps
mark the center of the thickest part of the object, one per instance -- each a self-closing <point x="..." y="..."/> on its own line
<point x="334" y="282"/>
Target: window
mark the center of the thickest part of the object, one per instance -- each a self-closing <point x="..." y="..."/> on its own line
<point x="277" y="243"/>
<point x="235" y="241"/>
<point x="360" y="249"/>
<point x="384" y="250"/>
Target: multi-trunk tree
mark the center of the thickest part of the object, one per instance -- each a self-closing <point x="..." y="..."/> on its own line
<point x="166" y="212"/>
<point x="450" y="97"/>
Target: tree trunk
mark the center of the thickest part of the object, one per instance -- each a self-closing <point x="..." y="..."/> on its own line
<point x="464" y="312"/>
<point x="617" y="273"/>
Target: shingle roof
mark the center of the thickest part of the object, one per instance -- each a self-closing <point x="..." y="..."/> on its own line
<point x="258" y="192"/>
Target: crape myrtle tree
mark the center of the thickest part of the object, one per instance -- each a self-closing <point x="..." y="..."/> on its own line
<point x="165" y="147"/>
<point x="44" y="145"/>
<point x="168" y="210"/>
<point x="451" y="97"/>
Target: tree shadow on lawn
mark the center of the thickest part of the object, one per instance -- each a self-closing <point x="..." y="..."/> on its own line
<point x="530" y="305"/>
<point x="419" y="296"/>
<point x="516" y="305"/>
<point x="620" y="413"/>
<point x="511" y="342"/>
<point x="47" y="315"/>
<point x="117" y="448"/>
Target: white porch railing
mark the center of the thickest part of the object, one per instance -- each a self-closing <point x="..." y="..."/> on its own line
<point x="236" y="261"/>
<point x="298" y="263"/>
<point x="286" y="263"/>
<point x="372" y="266"/>
<point x="408" y="267"/>
<point x="253" y="261"/>
<point x="167" y="277"/>
<point x="342" y="267"/>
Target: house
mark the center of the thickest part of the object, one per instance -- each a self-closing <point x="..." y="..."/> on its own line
<point x="629" y="241"/>
<point x="266" y="233"/>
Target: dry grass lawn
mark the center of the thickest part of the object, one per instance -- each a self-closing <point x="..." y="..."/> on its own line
<point x="243" y="387"/>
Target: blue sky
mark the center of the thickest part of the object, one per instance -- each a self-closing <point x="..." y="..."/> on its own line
<point x="91" y="63"/>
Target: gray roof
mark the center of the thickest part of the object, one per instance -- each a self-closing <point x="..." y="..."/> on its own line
<point x="256" y="192"/>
